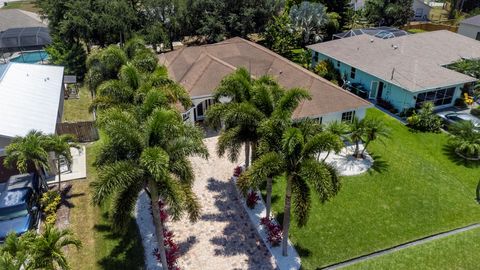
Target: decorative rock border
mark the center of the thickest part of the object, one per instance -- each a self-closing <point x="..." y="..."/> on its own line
<point x="144" y="220"/>
<point x="346" y="164"/>
<point x="290" y="262"/>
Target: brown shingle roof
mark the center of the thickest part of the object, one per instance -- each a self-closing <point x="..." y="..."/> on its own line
<point x="200" y="69"/>
<point x="418" y="59"/>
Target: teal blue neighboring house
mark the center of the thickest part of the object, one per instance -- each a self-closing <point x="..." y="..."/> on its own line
<point x="405" y="71"/>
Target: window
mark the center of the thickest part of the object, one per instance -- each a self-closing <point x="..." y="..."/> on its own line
<point x="352" y="72"/>
<point x="438" y="97"/>
<point x="315" y="57"/>
<point x="338" y="63"/>
<point x="186" y="116"/>
<point x="348" y="116"/>
<point x="478" y="36"/>
<point x="319" y="119"/>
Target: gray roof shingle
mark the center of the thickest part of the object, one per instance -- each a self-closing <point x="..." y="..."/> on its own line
<point x="416" y="61"/>
<point x="201" y="68"/>
<point x="472" y="21"/>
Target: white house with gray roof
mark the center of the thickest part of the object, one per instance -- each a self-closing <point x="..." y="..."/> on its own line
<point x="405" y="71"/>
<point x="31" y="97"/>
<point x="470" y="27"/>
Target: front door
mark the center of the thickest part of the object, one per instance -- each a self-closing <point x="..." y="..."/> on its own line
<point x="380" y="90"/>
<point x="199" y="111"/>
<point x="373" y="90"/>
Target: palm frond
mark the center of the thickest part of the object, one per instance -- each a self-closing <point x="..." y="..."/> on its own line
<point x="182" y="169"/>
<point x="290" y="101"/>
<point x="170" y="190"/>
<point x="301" y="200"/>
<point x="229" y="141"/>
<point x="267" y="165"/>
<point x="319" y="177"/>
<point x="215" y="114"/>
<point x="122" y="205"/>
<point x="192" y="204"/>
<point x="322" y="142"/>
<point x="155" y="160"/>
<point x="130" y="76"/>
<point x="113" y="177"/>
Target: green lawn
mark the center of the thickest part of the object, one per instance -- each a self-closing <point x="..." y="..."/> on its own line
<point x="454" y="252"/>
<point x="416" y="189"/>
<point x="101" y="248"/>
<point x="29" y="5"/>
<point x="77" y="109"/>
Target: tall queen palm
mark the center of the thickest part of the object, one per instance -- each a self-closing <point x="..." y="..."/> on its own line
<point x="149" y="155"/>
<point x="297" y="161"/>
<point x="252" y="101"/>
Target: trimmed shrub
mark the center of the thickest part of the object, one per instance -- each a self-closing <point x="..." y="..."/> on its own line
<point x="274" y="231"/>
<point x="387" y="105"/>
<point x="425" y="120"/>
<point x="252" y="199"/>
<point x="49" y="202"/>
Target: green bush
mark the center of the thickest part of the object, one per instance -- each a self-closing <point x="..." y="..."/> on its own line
<point x="407" y="112"/>
<point x="145" y="60"/>
<point x="327" y="70"/>
<point x="425" y="120"/>
<point x="50" y="201"/>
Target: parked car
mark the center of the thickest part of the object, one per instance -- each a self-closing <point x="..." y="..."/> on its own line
<point x="19" y="205"/>
<point x="454" y="117"/>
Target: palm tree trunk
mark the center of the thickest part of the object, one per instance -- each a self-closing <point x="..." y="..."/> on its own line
<point x="478" y="192"/>
<point x="43" y="181"/>
<point x="247" y="154"/>
<point x="365" y="147"/>
<point x="158" y="223"/>
<point x="59" y="173"/>
<point x="328" y="154"/>
<point x="253" y="155"/>
<point x="286" y="215"/>
<point x="268" y="205"/>
<point x="357" y="150"/>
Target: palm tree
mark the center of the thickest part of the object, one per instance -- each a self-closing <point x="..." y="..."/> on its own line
<point x="375" y="129"/>
<point x="31" y="149"/>
<point x="151" y="155"/>
<point x="297" y="160"/>
<point x="60" y="145"/>
<point x="339" y="130"/>
<point x="357" y="133"/>
<point x="14" y="251"/>
<point x="47" y="249"/>
<point x="465" y="139"/>
<point x="252" y="101"/>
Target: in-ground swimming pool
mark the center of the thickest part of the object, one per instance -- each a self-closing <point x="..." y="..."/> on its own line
<point x="30" y="57"/>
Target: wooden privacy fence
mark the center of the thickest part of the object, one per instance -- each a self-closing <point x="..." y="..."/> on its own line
<point x="430" y="27"/>
<point x="84" y="131"/>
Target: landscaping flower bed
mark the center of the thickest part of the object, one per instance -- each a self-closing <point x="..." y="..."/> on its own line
<point x="269" y="231"/>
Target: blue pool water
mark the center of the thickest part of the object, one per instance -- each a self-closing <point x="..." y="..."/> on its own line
<point x="31" y="57"/>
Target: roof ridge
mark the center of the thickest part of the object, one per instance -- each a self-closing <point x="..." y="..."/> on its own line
<point x="190" y="67"/>
<point x="201" y="74"/>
